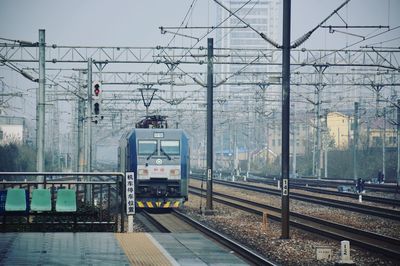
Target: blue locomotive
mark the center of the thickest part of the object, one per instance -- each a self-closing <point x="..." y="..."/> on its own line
<point x="159" y="158"/>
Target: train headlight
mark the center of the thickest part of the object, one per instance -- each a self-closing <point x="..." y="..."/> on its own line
<point x="143" y="172"/>
<point x="174" y="172"/>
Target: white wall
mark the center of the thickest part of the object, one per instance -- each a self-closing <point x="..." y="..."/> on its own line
<point x="11" y="133"/>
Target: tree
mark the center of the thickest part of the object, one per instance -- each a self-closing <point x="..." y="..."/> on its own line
<point x="17" y="158"/>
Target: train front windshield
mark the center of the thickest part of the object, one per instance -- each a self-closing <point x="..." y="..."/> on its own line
<point x="167" y="148"/>
<point x="170" y="147"/>
<point x="147" y="147"/>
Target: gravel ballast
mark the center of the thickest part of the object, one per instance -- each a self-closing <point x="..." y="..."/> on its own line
<point x="300" y="249"/>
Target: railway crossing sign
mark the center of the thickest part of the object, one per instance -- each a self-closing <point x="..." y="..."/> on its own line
<point x="130" y="192"/>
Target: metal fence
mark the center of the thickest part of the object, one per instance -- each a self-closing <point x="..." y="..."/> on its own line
<point x="99" y="201"/>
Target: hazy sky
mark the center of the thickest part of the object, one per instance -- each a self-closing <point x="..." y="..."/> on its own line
<point x="136" y="22"/>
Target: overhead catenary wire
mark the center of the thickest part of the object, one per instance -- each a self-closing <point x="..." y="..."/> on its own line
<point x="206" y="34"/>
<point x="19" y="70"/>
<point x="270" y="41"/>
<point x="181" y="25"/>
<point x="305" y="37"/>
<point x="297" y="43"/>
<point x="245" y="26"/>
<point x="350" y="45"/>
<point x="217" y="27"/>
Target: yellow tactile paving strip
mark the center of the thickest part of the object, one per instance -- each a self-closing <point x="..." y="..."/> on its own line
<point x="141" y="249"/>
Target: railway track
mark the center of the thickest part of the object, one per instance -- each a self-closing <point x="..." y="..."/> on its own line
<point x="392" y="202"/>
<point x="380" y="200"/>
<point x="350" y="206"/>
<point x="329" y="183"/>
<point x="377" y="243"/>
<point x="177" y="222"/>
<point x="313" y="182"/>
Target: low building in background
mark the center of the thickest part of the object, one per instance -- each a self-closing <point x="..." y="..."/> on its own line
<point x="339" y="128"/>
<point x="12" y="130"/>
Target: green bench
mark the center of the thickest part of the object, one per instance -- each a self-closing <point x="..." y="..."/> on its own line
<point x="41" y="200"/>
<point x="16" y="200"/>
<point x="66" y="200"/>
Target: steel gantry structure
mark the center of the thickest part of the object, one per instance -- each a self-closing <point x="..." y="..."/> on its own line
<point x="180" y="73"/>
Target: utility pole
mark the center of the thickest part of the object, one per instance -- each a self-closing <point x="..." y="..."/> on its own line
<point x="40" y="105"/>
<point x="88" y="196"/>
<point x="398" y="144"/>
<point x="384" y="142"/>
<point x="317" y="155"/>
<point x="89" y="118"/>
<point x="355" y="140"/>
<point x="248" y="137"/>
<point x="317" y="140"/>
<point x="210" y="84"/>
<point x="285" y="118"/>
<point x="80" y="118"/>
<point x="326" y="159"/>
<point x="326" y="144"/>
<point x="294" y="141"/>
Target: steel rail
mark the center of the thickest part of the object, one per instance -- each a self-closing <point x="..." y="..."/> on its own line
<point x="154" y="222"/>
<point x="378" y="243"/>
<point x="304" y="185"/>
<point x="244" y="252"/>
<point x="355" y="207"/>
<point x="334" y="183"/>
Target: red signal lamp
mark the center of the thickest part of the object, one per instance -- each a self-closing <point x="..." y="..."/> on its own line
<point x="96" y="89"/>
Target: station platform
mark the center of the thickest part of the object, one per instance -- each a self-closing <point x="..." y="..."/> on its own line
<point x="112" y="249"/>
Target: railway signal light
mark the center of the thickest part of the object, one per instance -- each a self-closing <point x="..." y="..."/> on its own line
<point x="96" y="89"/>
<point x="96" y="97"/>
<point x="96" y="108"/>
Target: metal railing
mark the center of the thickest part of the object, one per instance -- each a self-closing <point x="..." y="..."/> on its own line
<point x="99" y="199"/>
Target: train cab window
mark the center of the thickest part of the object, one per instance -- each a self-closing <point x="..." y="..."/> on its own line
<point x="147" y="147"/>
<point x="170" y="147"/>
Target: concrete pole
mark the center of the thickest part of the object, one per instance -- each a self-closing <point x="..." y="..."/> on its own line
<point x="89" y="118"/>
<point x="222" y="149"/>
<point x="314" y="144"/>
<point x="294" y="166"/>
<point x="318" y="148"/>
<point x="326" y="145"/>
<point x="355" y="140"/>
<point x="210" y="85"/>
<point x="40" y="105"/>
<point x="384" y="143"/>
<point x="248" y="142"/>
<point x="285" y="118"/>
<point x="88" y="196"/>
<point x="80" y="140"/>
<point x="326" y="161"/>
<point x="398" y="145"/>
<point x="80" y="118"/>
<point x="268" y="146"/>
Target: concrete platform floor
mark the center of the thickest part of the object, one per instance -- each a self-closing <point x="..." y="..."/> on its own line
<point x="112" y="249"/>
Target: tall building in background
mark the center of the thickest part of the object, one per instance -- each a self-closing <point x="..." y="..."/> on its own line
<point x="244" y="109"/>
<point x="263" y="15"/>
